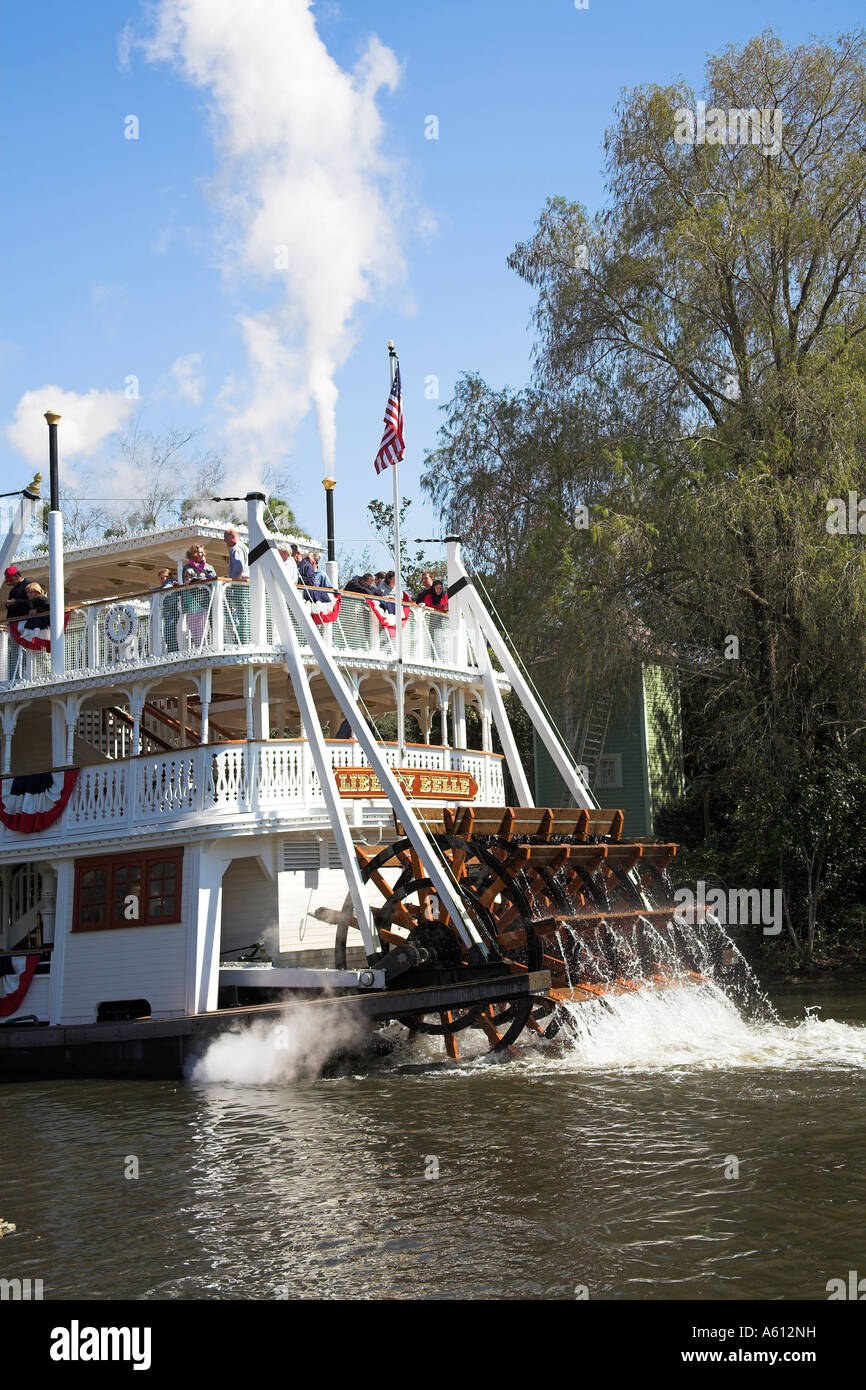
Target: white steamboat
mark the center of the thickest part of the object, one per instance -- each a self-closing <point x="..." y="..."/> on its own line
<point x="182" y="824"/>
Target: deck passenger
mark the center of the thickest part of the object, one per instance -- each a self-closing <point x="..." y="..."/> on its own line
<point x="361" y="584"/>
<point x="320" y="589"/>
<point x="389" y="591"/>
<point x="167" y="610"/>
<point x="239" y="561"/>
<point x="437" y="597"/>
<point x="426" y="586"/>
<point x="17" y="604"/>
<point x="37" y="606"/>
<point x="238" y="597"/>
<point x="196" y="605"/>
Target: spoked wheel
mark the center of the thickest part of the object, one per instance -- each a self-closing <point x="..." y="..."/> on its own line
<point x="498" y="902"/>
<point x="410" y="908"/>
<point x="501" y="1024"/>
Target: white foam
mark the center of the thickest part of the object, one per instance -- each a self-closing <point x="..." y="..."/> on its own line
<point x="694" y="1027"/>
<point x="698" y="1027"/>
<point x="296" y="1045"/>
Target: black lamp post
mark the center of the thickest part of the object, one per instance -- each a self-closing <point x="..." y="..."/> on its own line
<point x="329" y="484"/>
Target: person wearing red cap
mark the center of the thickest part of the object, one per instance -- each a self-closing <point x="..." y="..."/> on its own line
<point x="18" y="603"/>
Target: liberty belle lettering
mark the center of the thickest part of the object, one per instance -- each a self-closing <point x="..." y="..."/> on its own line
<point x="364" y="782"/>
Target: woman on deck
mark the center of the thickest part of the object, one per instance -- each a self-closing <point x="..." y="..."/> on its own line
<point x="196" y="605"/>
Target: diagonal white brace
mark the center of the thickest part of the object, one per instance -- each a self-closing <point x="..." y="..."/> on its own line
<point x="462" y="591"/>
<point x="279" y="576"/>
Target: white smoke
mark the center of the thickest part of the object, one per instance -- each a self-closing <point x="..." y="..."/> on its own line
<point x="87" y="421"/>
<point x="306" y="193"/>
<point x="296" y="1045"/>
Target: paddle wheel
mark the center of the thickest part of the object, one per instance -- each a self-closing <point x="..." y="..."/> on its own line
<point x="479" y="919"/>
<point x="548" y="890"/>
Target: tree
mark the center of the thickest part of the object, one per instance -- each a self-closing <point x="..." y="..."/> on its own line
<point x="412" y="562"/>
<point x="532" y="481"/>
<point x="281" y="516"/>
<point x="700" y="389"/>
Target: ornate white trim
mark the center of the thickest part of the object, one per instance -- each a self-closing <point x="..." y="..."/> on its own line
<point x="123" y="673"/>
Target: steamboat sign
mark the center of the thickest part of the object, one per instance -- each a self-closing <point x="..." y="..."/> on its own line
<point x="455" y="786"/>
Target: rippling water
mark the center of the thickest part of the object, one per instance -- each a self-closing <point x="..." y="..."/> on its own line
<point x="603" y="1166"/>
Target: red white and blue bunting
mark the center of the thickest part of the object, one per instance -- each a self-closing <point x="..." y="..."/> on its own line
<point x="324" y="610"/>
<point x="35" y="633"/>
<point x="383" y="609"/>
<point x="14" y="986"/>
<point x="36" y="800"/>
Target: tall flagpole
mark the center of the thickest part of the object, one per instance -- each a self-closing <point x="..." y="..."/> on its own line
<point x="398" y="587"/>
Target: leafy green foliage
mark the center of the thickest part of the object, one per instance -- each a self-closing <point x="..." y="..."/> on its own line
<point x="662" y="488"/>
<point x="412" y="562"/>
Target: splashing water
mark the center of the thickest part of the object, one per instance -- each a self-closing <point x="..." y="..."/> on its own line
<point x="681" y="999"/>
<point x="698" y="1027"/>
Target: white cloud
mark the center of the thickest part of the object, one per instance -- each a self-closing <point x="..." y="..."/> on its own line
<point x="301" y="166"/>
<point x="87" y="420"/>
<point x="189" y="382"/>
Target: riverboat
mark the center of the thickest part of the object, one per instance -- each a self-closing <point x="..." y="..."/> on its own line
<point x="201" y="824"/>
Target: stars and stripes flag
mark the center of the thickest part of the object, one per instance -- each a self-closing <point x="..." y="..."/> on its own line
<point x="391" y="448"/>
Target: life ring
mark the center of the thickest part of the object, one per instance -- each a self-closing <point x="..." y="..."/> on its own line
<point x="121" y="623"/>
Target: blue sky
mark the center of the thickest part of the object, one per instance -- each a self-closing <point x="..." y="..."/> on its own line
<point x="115" y="251"/>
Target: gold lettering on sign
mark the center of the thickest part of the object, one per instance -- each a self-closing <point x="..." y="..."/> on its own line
<point x="439" y="786"/>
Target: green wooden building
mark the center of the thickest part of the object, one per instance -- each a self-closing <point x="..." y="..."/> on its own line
<point x="632" y="748"/>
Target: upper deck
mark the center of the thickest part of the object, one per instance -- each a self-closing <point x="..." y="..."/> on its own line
<point x="110" y="638"/>
<point x="118" y="624"/>
<point x="175" y="708"/>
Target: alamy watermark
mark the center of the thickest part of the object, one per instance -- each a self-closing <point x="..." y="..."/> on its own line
<point x="20" y="1290"/>
<point x="77" y="1343"/>
<point x="846" y="517"/>
<point x="761" y="126"/>
<point x="734" y="907"/>
<point x="854" y="1289"/>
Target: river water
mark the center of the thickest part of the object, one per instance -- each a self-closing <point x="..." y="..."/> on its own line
<point x="672" y="1151"/>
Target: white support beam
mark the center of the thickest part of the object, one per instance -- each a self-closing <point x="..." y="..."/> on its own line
<point x="462" y="591"/>
<point x="496" y="705"/>
<point x="325" y="773"/>
<point x="280" y="577"/>
<point x="468" y="624"/>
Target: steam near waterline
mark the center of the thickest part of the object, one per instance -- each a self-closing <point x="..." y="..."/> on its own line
<point x="296" y="1046"/>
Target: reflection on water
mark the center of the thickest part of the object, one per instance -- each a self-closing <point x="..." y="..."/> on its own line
<point x="603" y="1165"/>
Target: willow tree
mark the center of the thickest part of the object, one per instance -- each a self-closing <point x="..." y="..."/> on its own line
<point x="708" y="327"/>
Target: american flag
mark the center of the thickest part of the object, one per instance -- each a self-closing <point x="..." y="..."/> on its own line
<point x="391" y="448"/>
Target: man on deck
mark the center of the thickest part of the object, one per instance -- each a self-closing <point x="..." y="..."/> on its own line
<point x="17" y="604"/>
<point x="361" y="584"/>
<point x="239" y="572"/>
<point x="239" y="564"/>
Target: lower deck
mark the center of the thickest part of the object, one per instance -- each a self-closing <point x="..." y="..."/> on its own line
<point x="160" y="933"/>
<point x="167" y="1048"/>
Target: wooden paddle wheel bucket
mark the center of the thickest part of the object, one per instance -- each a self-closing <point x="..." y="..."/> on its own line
<point x="547" y="890"/>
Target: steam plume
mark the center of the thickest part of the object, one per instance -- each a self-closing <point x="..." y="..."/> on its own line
<point x="305" y="192"/>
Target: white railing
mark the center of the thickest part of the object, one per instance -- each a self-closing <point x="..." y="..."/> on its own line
<point x="264" y="780"/>
<point x="214" y="617"/>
